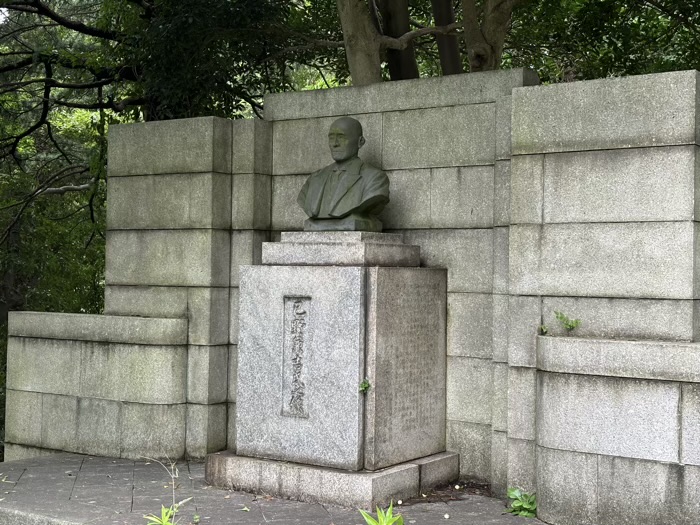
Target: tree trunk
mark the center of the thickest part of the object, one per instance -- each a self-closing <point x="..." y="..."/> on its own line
<point x="361" y="42"/>
<point x="395" y="20"/>
<point x="448" y="45"/>
<point x="485" y="42"/>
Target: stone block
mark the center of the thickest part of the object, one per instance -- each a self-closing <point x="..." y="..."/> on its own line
<point x="146" y="301"/>
<point x="473" y="443"/>
<point x="168" y="257"/>
<point x="690" y="424"/>
<point x="437" y="469"/>
<point x="670" y="320"/>
<point x="467" y="255"/>
<point x="504" y="107"/>
<point x="567" y="487"/>
<point x="246" y="248"/>
<point x="231" y="427"/>
<point x="232" y="383"/>
<point x="153" y="431"/>
<point x="631" y="418"/>
<point x="163" y="202"/>
<point x="651" y="260"/>
<point x="233" y="313"/>
<point x="499" y="464"/>
<point x="467" y="137"/>
<point x="501" y="194"/>
<point x="640" y="492"/>
<point x="522" y="465"/>
<point x="630" y="185"/>
<point x="500" y="260"/>
<point x="301" y="146"/>
<point x="469" y="318"/>
<point x="14" y="452"/>
<point x="286" y="214"/>
<point x="23" y="418"/>
<point x="461" y="197"/>
<point x="452" y="90"/>
<point x="251" y="201"/>
<point x="43" y="365"/>
<point x="522" y="402"/>
<point x="526" y="189"/>
<point x="500" y="328"/>
<point x="525" y="318"/>
<point x="98" y="427"/>
<point x="469" y="389"/>
<point x="629" y="112"/>
<point x="251" y="146"/>
<point x="137" y="373"/>
<point x="192" y="145"/>
<point x="664" y="361"/>
<point x="409" y="206"/>
<point x="208" y="313"/>
<point x="206" y="429"/>
<point x="405" y="364"/>
<point x="340" y="254"/>
<point x="59" y="422"/>
<point x="99" y="328"/>
<point x="207" y="374"/>
<point x="499" y="407"/>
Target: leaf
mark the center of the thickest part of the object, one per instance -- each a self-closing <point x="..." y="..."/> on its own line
<point x="368" y="518"/>
<point x="244" y="509"/>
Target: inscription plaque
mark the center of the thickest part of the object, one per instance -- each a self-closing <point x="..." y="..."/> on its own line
<point x="295" y="355"/>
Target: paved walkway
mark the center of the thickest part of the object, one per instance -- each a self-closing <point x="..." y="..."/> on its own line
<point x="70" y="489"/>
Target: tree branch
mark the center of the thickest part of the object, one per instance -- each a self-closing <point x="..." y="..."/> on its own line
<point x="402" y="42"/>
<point x="109" y="104"/>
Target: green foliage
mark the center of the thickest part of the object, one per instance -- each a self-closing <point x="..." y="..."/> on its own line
<point x="544" y="330"/>
<point x="568" y="323"/>
<point x="383" y="518"/>
<point x="523" y="503"/>
<point x="167" y="514"/>
<point x="365" y="386"/>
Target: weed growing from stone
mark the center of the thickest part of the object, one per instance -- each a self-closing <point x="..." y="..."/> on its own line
<point x="383" y="518"/>
<point x="568" y="323"/>
<point x="365" y="386"/>
<point x="167" y="514"/>
<point x="522" y="503"/>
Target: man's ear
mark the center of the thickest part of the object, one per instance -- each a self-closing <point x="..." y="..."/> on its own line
<point x="361" y="142"/>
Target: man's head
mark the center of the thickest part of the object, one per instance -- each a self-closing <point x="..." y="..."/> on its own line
<point x="345" y="138"/>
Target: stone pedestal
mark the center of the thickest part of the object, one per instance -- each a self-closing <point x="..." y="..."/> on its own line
<point x="341" y="365"/>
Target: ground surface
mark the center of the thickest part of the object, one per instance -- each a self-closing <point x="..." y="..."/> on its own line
<point x="70" y="489"/>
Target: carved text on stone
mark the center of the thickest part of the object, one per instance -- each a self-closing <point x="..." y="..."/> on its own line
<point x="296" y="343"/>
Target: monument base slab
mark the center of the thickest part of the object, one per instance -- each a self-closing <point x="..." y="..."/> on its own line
<point x="360" y="489"/>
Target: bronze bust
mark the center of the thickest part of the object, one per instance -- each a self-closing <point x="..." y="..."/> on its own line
<point x="348" y="194"/>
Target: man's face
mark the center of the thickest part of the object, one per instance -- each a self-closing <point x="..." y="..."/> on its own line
<point x="343" y="141"/>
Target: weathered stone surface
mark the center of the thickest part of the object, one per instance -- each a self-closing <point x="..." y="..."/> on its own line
<point x="15" y="452"/>
<point x="313" y="484"/>
<point x="208" y="314"/>
<point x="340" y="254"/>
<point x="170" y="146"/>
<point x="452" y="90"/>
<point x="59" y="422"/>
<point x="207" y="374"/>
<point x="522" y="402"/>
<point x="469" y="389"/>
<point x="469" y="318"/>
<point x="665" y="361"/>
<point x="648" y="184"/>
<point x="286" y="214"/>
<point x="690" y="424"/>
<point x="499" y="406"/>
<point x="500" y="327"/>
<point x="525" y="318"/>
<point x="467" y="255"/>
<point x="231" y="427"/>
<point x="466" y="137"/>
<point x="167" y="257"/>
<point x="500" y="260"/>
<point x="133" y="373"/>
<point x="163" y="202"/>
<point x="522" y="465"/>
<point x="405" y="365"/>
<point x="649" y="260"/>
<point x="98" y="427"/>
<point x="154" y="431"/>
<point x="251" y="201"/>
<point x="605" y="415"/>
<point x="246" y="248"/>
<point x="504" y="108"/>
<point x="461" y="197"/>
<point x="103" y="328"/>
<point x="526" y="189"/>
<point x="408" y="206"/>
<point x="501" y="193"/>
<point x="437" y="469"/>
<point x="233" y="313"/>
<point x="329" y="297"/>
<point x="44" y="365"/>
<point x="251" y="146"/>
<point x="342" y="237"/>
<point x="232" y="372"/>
<point x="637" y="111"/>
<point x="567" y="487"/>
<point x="206" y="429"/>
<point x="499" y="464"/>
<point x="301" y="146"/>
<point x="23" y="418"/>
<point x="473" y="443"/>
<point x="621" y="318"/>
<point x="146" y="301"/>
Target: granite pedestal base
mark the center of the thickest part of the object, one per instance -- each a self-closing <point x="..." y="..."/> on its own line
<point x="361" y="489"/>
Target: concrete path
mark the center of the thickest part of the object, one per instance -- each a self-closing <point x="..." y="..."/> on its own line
<point x="71" y="489"/>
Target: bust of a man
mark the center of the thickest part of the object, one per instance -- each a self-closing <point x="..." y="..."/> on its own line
<point x="348" y="194"/>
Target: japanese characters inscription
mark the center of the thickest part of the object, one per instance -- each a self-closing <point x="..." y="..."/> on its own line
<point x="296" y="354"/>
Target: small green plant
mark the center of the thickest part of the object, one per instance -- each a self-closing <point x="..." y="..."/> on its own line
<point x="383" y="518"/>
<point x="543" y="329"/>
<point x="167" y="514"/>
<point x="523" y="503"/>
<point x="568" y="323"/>
<point x="365" y="386"/>
<point x="166" y="517"/>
